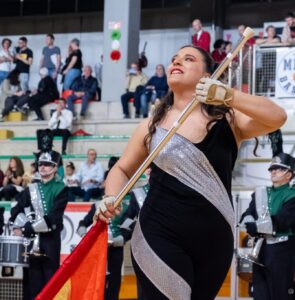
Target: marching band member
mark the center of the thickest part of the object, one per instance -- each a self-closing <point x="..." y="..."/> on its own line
<point x="271" y="214"/>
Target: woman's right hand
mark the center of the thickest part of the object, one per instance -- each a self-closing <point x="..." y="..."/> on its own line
<point x="105" y="209"/>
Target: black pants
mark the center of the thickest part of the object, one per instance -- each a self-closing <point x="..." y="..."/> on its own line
<point x="113" y="280"/>
<point x="275" y="280"/>
<point x="35" y="103"/>
<point x="126" y="97"/>
<point x="64" y="133"/>
<point x="41" y="269"/>
<point x="86" y="195"/>
<point x="19" y="101"/>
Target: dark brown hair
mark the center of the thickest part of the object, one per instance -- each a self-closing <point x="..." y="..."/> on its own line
<point x="19" y="166"/>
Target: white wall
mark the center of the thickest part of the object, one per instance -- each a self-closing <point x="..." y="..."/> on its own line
<point x="161" y="46"/>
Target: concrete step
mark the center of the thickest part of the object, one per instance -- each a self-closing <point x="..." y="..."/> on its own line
<point x="95" y="110"/>
<point x="102" y="144"/>
<point x="97" y="127"/>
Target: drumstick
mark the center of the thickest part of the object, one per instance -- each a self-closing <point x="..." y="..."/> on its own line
<point x="248" y="33"/>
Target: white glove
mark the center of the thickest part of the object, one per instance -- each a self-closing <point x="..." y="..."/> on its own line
<point x="118" y="241"/>
<point x="213" y="92"/>
<point x="81" y="231"/>
<point x="101" y="205"/>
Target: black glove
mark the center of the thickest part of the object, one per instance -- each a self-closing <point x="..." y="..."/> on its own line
<point x="28" y="230"/>
<point x="251" y="228"/>
<point x="1" y="219"/>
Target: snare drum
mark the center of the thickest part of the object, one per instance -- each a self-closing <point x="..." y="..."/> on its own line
<point x="12" y="251"/>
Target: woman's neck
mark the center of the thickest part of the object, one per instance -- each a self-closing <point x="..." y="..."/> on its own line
<point x="181" y="100"/>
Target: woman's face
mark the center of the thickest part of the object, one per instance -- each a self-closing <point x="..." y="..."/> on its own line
<point x="12" y="164"/>
<point x="160" y="72"/>
<point x="271" y="32"/>
<point x="69" y="171"/>
<point x="187" y="67"/>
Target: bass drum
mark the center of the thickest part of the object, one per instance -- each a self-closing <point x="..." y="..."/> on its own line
<point x="12" y="251"/>
<point x="245" y="271"/>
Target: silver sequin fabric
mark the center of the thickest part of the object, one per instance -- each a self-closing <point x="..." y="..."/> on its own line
<point x="184" y="161"/>
<point x="36" y="200"/>
<point x="181" y="159"/>
<point x="167" y="281"/>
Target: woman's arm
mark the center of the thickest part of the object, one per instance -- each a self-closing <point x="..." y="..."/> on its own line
<point x="133" y="156"/>
<point x="17" y="180"/>
<point x="255" y="115"/>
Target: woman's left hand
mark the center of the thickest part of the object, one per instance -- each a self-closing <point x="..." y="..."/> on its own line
<point x="213" y="92"/>
<point x="106" y="210"/>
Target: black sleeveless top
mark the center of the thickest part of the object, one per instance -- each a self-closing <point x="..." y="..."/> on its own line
<point x="220" y="148"/>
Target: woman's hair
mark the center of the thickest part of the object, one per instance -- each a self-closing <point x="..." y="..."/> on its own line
<point x="13" y="77"/>
<point x="218" y="43"/>
<point x="71" y="165"/>
<point x="216" y="112"/>
<point x="19" y="166"/>
<point x="6" y="40"/>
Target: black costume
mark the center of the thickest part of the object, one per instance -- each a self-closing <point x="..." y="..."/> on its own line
<point x="54" y="197"/>
<point x="186" y="216"/>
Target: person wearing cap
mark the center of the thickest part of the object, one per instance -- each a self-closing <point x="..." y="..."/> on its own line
<point x="60" y="123"/>
<point x="271" y="215"/>
<point x="45" y="201"/>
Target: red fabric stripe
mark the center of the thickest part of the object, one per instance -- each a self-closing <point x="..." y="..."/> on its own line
<point x="95" y="243"/>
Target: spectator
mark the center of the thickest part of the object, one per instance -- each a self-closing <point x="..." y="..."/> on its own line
<point x="23" y="61"/>
<point x="32" y="175"/>
<point x="98" y="75"/>
<point x="1" y="178"/>
<point x="228" y="46"/>
<point x="201" y="38"/>
<point x="218" y="54"/>
<point x="74" y="66"/>
<point x="51" y="58"/>
<point x="135" y="82"/>
<point x="46" y="92"/>
<point x="288" y="35"/>
<point x="155" y="89"/>
<point x="271" y="37"/>
<point x="6" y="59"/>
<point x="70" y="179"/>
<point x="241" y="29"/>
<point x="90" y="177"/>
<point x="11" y="94"/>
<point x="66" y="63"/>
<point x="84" y="88"/>
<point x="60" y="124"/>
<point x="13" y="177"/>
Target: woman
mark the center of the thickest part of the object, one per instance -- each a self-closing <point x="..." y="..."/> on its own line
<point x="6" y="59"/>
<point x="188" y="209"/>
<point x="155" y="89"/>
<point x="219" y="54"/>
<point x="12" y="183"/>
<point x="11" y="93"/>
<point x="74" y="65"/>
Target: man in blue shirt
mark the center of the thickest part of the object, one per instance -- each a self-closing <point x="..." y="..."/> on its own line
<point x="83" y="88"/>
<point x="90" y="177"/>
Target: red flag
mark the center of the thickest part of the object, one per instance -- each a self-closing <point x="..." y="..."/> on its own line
<point x="82" y="274"/>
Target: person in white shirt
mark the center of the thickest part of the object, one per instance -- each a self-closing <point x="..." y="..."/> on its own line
<point x="90" y="176"/>
<point x="60" y="124"/>
<point x="6" y="58"/>
<point x="70" y="178"/>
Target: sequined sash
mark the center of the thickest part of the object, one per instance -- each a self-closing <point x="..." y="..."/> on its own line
<point x="182" y="160"/>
